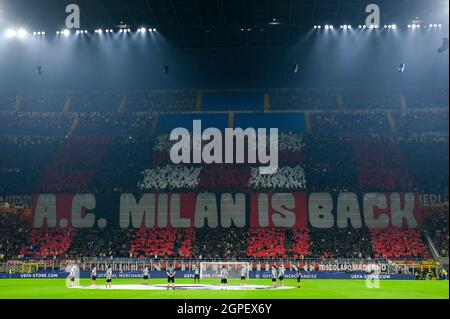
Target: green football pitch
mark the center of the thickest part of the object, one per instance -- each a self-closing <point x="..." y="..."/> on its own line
<point x="310" y="289"/>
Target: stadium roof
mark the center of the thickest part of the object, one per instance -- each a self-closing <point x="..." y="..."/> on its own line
<point x="200" y="23"/>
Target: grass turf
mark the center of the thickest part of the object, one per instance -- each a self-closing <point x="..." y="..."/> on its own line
<point x="311" y="289"/>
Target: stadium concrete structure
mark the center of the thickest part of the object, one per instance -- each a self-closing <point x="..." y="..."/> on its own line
<point x="359" y="195"/>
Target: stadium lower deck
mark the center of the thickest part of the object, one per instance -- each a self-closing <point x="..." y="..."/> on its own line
<point x="333" y="153"/>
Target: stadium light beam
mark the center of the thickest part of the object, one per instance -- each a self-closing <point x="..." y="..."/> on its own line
<point x="11" y="33"/>
<point x="22" y="33"/>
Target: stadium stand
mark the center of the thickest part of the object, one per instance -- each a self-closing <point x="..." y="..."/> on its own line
<point x="394" y="243"/>
<point x="266" y="243"/>
<point x="303" y="99"/>
<point x="48" y="242"/>
<point x="233" y="100"/>
<point x="436" y="225"/>
<point x="292" y="122"/>
<point x="421" y="121"/>
<point x="344" y="122"/>
<point x="227" y="243"/>
<point x="160" y="101"/>
<point x="341" y="243"/>
<point x="298" y="243"/>
<point x="371" y="98"/>
<point x="117" y="152"/>
<point x="13" y="235"/>
<point x="152" y="242"/>
<point x="100" y="243"/>
<point x="425" y="98"/>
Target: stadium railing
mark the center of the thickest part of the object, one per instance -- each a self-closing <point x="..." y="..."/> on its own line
<point x="130" y="264"/>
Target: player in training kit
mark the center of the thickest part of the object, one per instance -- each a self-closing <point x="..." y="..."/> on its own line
<point x="243" y="275"/>
<point x="94" y="275"/>
<point x="299" y="276"/>
<point x="145" y="276"/>
<point x="170" y="277"/>
<point x="274" y="277"/>
<point x="72" y="274"/>
<point x="281" y="275"/>
<point x="223" y="277"/>
<point x="196" y="275"/>
<point x="109" y="277"/>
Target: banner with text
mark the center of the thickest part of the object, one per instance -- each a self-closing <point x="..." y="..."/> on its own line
<point x="197" y="210"/>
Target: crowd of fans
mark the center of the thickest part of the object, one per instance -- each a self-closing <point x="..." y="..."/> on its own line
<point x="225" y="178"/>
<point x="436" y="225"/>
<point x="303" y="99"/>
<point x="7" y="100"/>
<point x="364" y="122"/>
<point x="376" y="152"/>
<point x="421" y="121"/>
<point x="174" y="101"/>
<point x="123" y="161"/>
<point x="429" y="171"/>
<point x="329" y="165"/>
<point x="371" y="98"/>
<point x="48" y="242"/>
<point x="13" y="235"/>
<point x="25" y="123"/>
<point x="384" y="179"/>
<point x="358" y="98"/>
<point x="115" y="124"/>
<point x="266" y="243"/>
<point x="398" y="243"/>
<point x="170" y="177"/>
<point x="184" y="243"/>
<point x="161" y="101"/>
<point x="425" y="97"/>
<point x="220" y="242"/>
<point x="18" y="241"/>
<point x="311" y="163"/>
<point x="285" y="178"/>
<point x="99" y="151"/>
<point x="100" y="243"/>
<point x="152" y="242"/>
<point x="341" y="243"/>
<point x="98" y="101"/>
<point x="300" y="243"/>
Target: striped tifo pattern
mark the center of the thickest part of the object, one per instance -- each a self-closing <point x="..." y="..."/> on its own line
<point x="74" y="165"/>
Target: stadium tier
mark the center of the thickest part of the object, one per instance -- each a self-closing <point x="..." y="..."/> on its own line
<point x="21" y="242"/>
<point x="111" y="153"/>
<point x="226" y="150"/>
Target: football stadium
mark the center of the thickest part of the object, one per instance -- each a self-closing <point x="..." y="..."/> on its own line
<point x="229" y="149"/>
